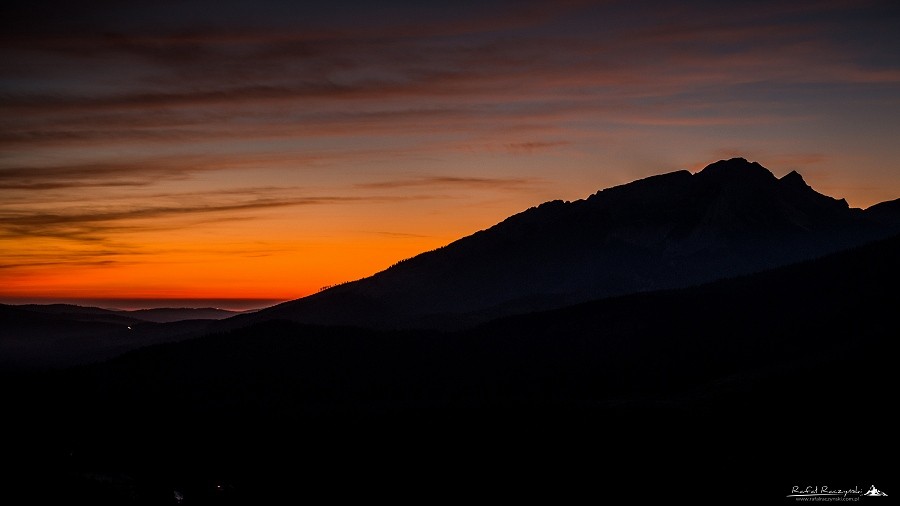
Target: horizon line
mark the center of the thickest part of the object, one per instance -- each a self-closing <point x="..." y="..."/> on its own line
<point x="135" y="303"/>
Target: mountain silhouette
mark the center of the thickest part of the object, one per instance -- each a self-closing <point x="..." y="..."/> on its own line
<point x="672" y="230"/>
<point x="668" y="231"/>
<point x="657" y="388"/>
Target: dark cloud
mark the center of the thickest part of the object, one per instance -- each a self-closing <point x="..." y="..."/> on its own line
<point x="261" y="76"/>
<point x="192" y="97"/>
<point x="189" y="20"/>
<point x="89" y="225"/>
<point x="467" y="182"/>
<point x="61" y="263"/>
<point x="531" y="146"/>
<point x="100" y="174"/>
<point x="96" y="225"/>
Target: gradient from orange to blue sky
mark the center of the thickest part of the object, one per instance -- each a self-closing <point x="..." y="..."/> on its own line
<point x="262" y="150"/>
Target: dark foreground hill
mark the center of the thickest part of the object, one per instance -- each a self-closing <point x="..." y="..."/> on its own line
<point x="730" y="392"/>
<point x="673" y="230"/>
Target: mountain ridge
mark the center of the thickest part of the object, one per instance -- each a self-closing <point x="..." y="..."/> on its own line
<point x="665" y="231"/>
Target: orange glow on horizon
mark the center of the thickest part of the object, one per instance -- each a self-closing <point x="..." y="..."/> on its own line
<point x="222" y="274"/>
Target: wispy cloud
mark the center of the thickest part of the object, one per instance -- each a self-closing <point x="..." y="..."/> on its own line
<point x="123" y="173"/>
<point x="96" y="225"/>
<point x="453" y="181"/>
<point x="532" y="146"/>
<point x="68" y="262"/>
<point x="399" y="235"/>
<point x="441" y="59"/>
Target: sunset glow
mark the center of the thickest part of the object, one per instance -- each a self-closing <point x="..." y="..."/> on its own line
<point x="216" y="150"/>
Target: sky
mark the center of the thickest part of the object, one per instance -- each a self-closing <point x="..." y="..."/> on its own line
<point x="250" y="152"/>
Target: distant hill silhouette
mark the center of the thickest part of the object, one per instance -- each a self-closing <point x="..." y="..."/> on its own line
<point x="170" y="314"/>
<point x="673" y="230"/>
<point x="37" y="336"/>
<point x="640" y="392"/>
<point x="158" y="315"/>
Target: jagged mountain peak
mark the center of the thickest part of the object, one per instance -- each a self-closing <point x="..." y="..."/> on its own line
<point x="735" y="169"/>
<point x="794" y="178"/>
<point x="793" y="186"/>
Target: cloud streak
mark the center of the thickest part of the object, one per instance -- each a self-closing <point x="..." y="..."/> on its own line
<point x="290" y="65"/>
<point x="452" y="181"/>
<point x="130" y="173"/>
<point x="95" y="225"/>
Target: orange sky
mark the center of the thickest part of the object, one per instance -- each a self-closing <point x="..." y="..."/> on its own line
<point x="267" y="150"/>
